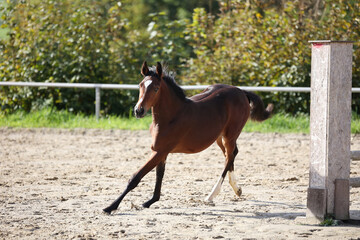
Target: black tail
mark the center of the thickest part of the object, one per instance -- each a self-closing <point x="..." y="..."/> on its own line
<point x="258" y="111"/>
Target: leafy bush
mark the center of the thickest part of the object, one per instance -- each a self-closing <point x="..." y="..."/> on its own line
<point x="250" y="44"/>
<point x="246" y="43"/>
<point x="57" y="41"/>
<point x="81" y="42"/>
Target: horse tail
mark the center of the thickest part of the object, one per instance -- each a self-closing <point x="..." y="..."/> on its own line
<point x="257" y="108"/>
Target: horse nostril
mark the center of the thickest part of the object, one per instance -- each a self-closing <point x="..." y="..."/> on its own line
<point x="139" y="111"/>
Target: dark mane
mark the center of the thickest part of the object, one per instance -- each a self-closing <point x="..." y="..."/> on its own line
<point x="170" y="81"/>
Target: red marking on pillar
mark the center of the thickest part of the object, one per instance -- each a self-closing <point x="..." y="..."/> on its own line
<point x="317" y="45"/>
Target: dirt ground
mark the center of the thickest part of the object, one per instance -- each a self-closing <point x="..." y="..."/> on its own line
<point x="54" y="184"/>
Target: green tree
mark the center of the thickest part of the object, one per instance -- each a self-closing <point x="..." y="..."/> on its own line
<point x="246" y="43"/>
<point x="83" y="41"/>
<point x="261" y="43"/>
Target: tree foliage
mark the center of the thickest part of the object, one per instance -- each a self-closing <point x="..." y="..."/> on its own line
<point x="77" y="42"/>
<point x="246" y="43"/>
<point x="258" y="44"/>
<point x="60" y="41"/>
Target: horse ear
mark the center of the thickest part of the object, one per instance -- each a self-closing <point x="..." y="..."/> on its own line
<point x="144" y="69"/>
<point x="159" y="69"/>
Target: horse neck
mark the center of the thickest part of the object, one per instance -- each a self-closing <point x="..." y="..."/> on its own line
<point x="167" y="106"/>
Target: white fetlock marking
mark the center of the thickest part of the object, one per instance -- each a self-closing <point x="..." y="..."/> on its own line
<point x="215" y="191"/>
<point x="232" y="181"/>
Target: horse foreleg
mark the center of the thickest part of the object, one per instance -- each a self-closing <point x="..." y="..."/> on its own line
<point x="160" y="169"/>
<point x="155" y="159"/>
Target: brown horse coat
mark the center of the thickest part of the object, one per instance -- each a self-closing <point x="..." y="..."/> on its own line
<point x="190" y="125"/>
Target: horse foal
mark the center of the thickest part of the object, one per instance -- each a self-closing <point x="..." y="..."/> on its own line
<point x="190" y="125"/>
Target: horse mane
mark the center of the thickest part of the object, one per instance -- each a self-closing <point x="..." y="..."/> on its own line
<point x="169" y="79"/>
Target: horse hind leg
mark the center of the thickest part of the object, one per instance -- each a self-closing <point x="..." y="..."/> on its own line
<point x="231" y="175"/>
<point x="230" y="151"/>
<point x="215" y="191"/>
<point x="232" y="179"/>
<point x="217" y="187"/>
<point x="220" y="144"/>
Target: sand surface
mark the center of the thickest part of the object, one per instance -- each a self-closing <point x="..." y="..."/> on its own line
<point x="54" y="184"/>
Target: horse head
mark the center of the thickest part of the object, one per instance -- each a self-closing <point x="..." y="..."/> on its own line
<point x="148" y="89"/>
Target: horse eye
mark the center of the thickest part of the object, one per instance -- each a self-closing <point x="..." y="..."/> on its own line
<point x="156" y="89"/>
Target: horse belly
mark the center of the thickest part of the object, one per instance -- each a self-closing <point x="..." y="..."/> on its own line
<point x="193" y="146"/>
<point x="200" y="137"/>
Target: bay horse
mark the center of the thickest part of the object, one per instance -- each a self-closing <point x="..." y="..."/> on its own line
<point x="190" y="125"/>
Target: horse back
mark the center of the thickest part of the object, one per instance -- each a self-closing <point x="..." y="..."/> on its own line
<point x="212" y="90"/>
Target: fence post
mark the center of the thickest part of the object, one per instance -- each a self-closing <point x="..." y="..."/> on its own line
<point x="330" y="129"/>
<point x="97" y="102"/>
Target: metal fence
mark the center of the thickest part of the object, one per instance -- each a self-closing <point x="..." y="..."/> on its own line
<point x="99" y="86"/>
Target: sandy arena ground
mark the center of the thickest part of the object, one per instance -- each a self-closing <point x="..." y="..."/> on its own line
<point x="54" y="184"/>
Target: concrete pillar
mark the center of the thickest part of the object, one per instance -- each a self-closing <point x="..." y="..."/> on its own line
<point x="330" y="127"/>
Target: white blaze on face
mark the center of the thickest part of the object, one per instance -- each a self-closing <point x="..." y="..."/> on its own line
<point x="138" y="103"/>
<point x="147" y="83"/>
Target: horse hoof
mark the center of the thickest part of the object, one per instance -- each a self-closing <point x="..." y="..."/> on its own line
<point x="107" y="210"/>
<point x="209" y="201"/>
<point x="239" y="192"/>
<point x="146" y="205"/>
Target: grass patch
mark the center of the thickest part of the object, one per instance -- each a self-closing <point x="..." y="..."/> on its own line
<point x="281" y="123"/>
<point x="355" y="123"/>
<point x="330" y="221"/>
<point x="62" y="119"/>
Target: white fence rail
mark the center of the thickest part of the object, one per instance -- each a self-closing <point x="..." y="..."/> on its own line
<point x="98" y="86"/>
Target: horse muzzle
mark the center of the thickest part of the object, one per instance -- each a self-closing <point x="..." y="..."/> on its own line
<point x="139" y="112"/>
